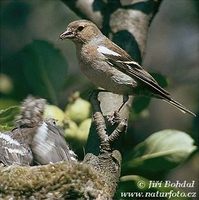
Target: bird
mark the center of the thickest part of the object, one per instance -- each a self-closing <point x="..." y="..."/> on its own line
<point x="34" y="140"/>
<point x="15" y="145"/>
<point x="49" y="145"/>
<point x="110" y="67"/>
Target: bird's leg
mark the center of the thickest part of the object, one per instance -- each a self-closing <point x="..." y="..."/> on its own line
<point x="115" y="117"/>
<point x="125" y="99"/>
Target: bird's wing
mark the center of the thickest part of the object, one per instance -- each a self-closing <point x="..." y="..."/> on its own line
<point x="13" y="152"/>
<point x="133" y="69"/>
<point x="118" y="58"/>
<point x="61" y="146"/>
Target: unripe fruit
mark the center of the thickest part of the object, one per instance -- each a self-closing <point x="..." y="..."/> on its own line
<point x="78" y="110"/>
<point x="84" y="129"/>
<point x="5" y="84"/>
<point x="71" y="130"/>
<point x="52" y="111"/>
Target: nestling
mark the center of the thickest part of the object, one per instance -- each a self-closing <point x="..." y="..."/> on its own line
<point x="48" y="144"/>
<point x="15" y="145"/>
<point x="110" y="67"/>
<point x="35" y="140"/>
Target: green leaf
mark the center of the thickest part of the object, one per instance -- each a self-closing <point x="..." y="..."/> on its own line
<point x="127" y="41"/>
<point x="45" y="69"/>
<point x="161" y="79"/>
<point x="132" y="183"/>
<point x="159" y="153"/>
<point x="140" y="103"/>
<point x="10" y="18"/>
<point x="5" y="103"/>
<point x="7" y="117"/>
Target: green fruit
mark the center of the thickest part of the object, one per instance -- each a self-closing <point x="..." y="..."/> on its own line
<point x="52" y="111"/>
<point x="78" y="111"/>
<point x="6" y="84"/>
<point x="71" y="129"/>
<point x="84" y="129"/>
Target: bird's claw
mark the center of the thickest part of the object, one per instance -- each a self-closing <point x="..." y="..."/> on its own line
<point x="114" y="118"/>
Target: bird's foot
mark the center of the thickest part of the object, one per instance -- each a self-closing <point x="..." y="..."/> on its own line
<point x="114" y="118"/>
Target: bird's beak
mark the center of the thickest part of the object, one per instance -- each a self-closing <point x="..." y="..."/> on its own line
<point x="67" y="35"/>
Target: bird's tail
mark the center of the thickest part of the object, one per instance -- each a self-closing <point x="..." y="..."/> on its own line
<point x="179" y="106"/>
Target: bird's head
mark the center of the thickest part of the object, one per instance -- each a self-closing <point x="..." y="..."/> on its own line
<point x="81" y="31"/>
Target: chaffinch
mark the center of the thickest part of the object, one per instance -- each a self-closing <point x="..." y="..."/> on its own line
<point x="110" y="67"/>
<point x="15" y="145"/>
<point x="49" y="145"/>
<point x="34" y="140"/>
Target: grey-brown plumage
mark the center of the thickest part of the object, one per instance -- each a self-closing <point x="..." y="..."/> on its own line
<point x="49" y="145"/>
<point x="34" y="140"/>
<point x="15" y="145"/>
<point x="110" y="67"/>
<point x="31" y="114"/>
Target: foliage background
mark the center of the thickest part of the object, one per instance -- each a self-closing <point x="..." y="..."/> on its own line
<point x="172" y="50"/>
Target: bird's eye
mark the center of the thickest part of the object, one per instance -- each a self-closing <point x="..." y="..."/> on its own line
<point x="80" y="28"/>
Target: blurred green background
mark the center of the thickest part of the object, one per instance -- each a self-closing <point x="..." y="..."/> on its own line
<point x="34" y="61"/>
